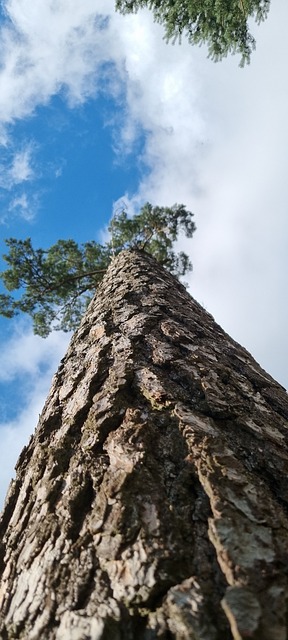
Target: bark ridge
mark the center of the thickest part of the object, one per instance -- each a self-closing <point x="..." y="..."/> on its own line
<point x="151" y="502"/>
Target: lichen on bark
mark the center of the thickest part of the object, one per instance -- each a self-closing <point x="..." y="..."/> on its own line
<point x="151" y="501"/>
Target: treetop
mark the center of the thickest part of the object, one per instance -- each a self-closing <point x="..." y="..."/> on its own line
<point x="55" y="285"/>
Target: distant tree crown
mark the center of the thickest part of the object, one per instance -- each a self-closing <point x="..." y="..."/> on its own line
<point x="55" y="285"/>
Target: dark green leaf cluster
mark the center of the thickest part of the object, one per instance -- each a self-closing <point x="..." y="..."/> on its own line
<point x="220" y="24"/>
<point x="53" y="282"/>
<point x="54" y="286"/>
<point x="155" y="230"/>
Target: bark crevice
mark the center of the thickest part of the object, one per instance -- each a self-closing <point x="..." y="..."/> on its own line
<point x="151" y="503"/>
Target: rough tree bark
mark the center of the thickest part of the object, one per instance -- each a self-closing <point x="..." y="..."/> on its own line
<point x="152" y="500"/>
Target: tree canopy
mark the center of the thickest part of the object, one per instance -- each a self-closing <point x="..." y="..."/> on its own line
<point x="220" y="24"/>
<point x="55" y="285"/>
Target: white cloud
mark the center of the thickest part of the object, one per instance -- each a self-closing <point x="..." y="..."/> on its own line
<point x="32" y="360"/>
<point x="47" y="48"/>
<point x="17" y="167"/>
<point x="4" y="137"/>
<point x="58" y="172"/>
<point x="25" y="353"/>
<point x="24" y="206"/>
<point x="21" y="204"/>
<point x="21" y="169"/>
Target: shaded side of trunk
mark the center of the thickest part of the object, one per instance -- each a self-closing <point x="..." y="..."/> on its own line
<point x="152" y="500"/>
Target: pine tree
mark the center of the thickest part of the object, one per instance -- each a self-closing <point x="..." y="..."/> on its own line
<point x="151" y="503"/>
<point x="57" y="284"/>
<point x="223" y="25"/>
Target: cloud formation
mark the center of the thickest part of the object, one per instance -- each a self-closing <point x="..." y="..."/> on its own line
<point x="17" y="168"/>
<point x="16" y="172"/>
<point x="21" y="169"/>
<point x="22" y="206"/>
<point x="46" y="48"/>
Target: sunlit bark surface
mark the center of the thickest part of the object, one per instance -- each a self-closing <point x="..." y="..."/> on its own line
<point x="151" y="503"/>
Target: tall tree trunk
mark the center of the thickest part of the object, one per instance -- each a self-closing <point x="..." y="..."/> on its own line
<point x="152" y="500"/>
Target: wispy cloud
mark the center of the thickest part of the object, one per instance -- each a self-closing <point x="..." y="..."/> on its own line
<point x="25" y="353"/>
<point x="21" y="169"/>
<point x="24" y="206"/>
<point x="17" y="167"/>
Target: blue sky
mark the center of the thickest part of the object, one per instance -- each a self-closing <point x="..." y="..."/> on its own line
<point x="66" y="166"/>
<point x="95" y="109"/>
<point x="72" y="178"/>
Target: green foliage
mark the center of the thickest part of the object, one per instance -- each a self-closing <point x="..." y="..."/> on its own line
<point x="154" y="230"/>
<point x="55" y="285"/>
<point x="221" y="24"/>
